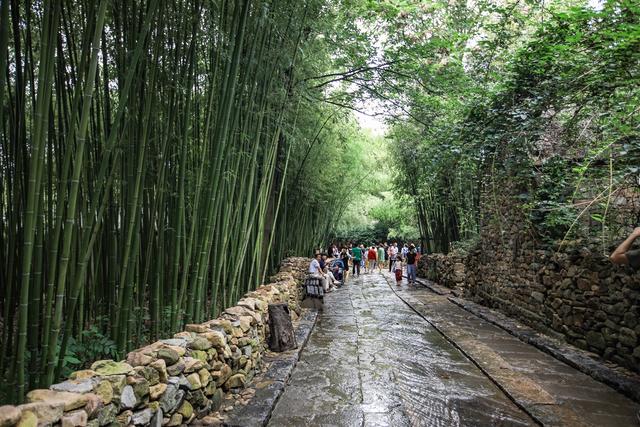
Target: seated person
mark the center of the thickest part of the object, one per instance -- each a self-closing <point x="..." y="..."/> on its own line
<point x="316" y="271"/>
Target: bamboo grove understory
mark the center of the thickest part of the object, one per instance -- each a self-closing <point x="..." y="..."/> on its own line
<point x="153" y="159"/>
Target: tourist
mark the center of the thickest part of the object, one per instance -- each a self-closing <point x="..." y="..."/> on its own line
<point x="412" y="256"/>
<point x="335" y="253"/>
<point x="392" y="253"/>
<point x="372" y="256"/>
<point x="363" y="258"/>
<point x="356" y="253"/>
<point x="381" y="259"/>
<point x="397" y="269"/>
<point x="625" y="255"/>
<point x="316" y="271"/>
<point x="328" y="274"/>
<point x="344" y="256"/>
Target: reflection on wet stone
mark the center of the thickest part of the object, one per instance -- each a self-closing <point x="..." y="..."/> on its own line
<point x="372" y="361"/>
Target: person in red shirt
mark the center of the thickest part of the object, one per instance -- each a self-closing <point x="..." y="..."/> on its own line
<point x="372" y="256"/>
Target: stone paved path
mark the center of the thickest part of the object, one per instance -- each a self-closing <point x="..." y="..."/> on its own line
<point x="374" y="361"/>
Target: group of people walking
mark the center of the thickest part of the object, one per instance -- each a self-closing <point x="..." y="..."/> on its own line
<point x="361" y="259"/>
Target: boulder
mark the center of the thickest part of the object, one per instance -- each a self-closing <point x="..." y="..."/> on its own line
<point x="138" y="359"/>
<point x="110" y="367"/>
<point x="175" y="342"/>
<point x="199" y="343"/>
<point x="128" y="398"/>
<point x="75" y="386"/>
<point x="216" y="338"/>
<point x="104" y="391"/>
<point x="197" y="328"/>
<point x="9" y="415"/>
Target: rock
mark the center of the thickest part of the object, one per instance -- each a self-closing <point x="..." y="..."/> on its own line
<point x="175" y="420"/>
<point x="197" y="328"/>
<point x="104" y="391"/>
<point x="108" y="414"/>
<point x="194" y="381"/>
<point x="222" y="375"/>
<point x="171" y="398"/>
<point x="156" y="391"/>
<point x="210" y="388"/>
<point x="138" y="359"/>
<point x="160" y="366"/>
<point x="109" y="367"/>
<point x="200" y="355"/>
<point x="223" y="324"/>
<point x="94" y="405"/>
<point x="235" y="381"/>
<point x="156" y="420"/>
<point x="216" y="400"/>
<point x="180" y="382"/>
<point x="186" y="410"/>
<point x="148" y="373"/>
<point x="74" y="386"/>
<point x="28" y="419"/>
<point x="169" y="355"/>
<point x="142" y="417"/>
<point x="205" y="377"/>
<point x="93" y="423"/>
<point x="70" y="401"/>
<point x="9" y="415"/>
<point x="48" y="412"/>
<point x="117" y="384"/>
<point x="192" y="365"/>
<point x="175" y="342"/>
<point x="199" y="343"/>
<point x="216" y="338"/>
<point x="198" y="399"/>
<point x="177" y="368"/>
<point x="74" y="418"/>
<point x="128" y="398"/>
<point x="596" y="340"/>
<point x="124" y="418"/>
<point x="82" y="374"/>
<point x="627" y="337"/>
<point x="140" y="387"/>
<point x="245" y="323"/>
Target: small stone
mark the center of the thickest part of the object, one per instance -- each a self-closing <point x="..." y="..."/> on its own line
<point x="156" y="391"/>
<point x="82" y="374"/>
<point x="245" y="323"/>
<point x="117" y="383"/>
<point x="74" y="386"/>
<point x="94" y="405"/>
<point x="175" y="342"/>
<point x="205" y="377"/>
<point x="177" y="368"/>
<point x="160" y="366"/>
<point x="235" y="381"/>
<point x="28" y="419"/>
<point x="194" y="381"/>
<point x="171" y="398"/>
<point x="216" y="338"/>
<point x="169" y="355"/>
<point x="192" y="365"/>
<point x="109" y="367"/>
<point x="104" y="391"/>
<point x="197" y="328"/>
<point x="70" y="401"/>
<point x="199" y="343"/>
<point x="222" y="375"/>
<point x="93" y="423"/>
<point x="156" y="420"/>
<point x="48" y="412"/>
<point x="142" y="417"/>
<point x="216" y="400"/>
<point x="128" y="398"/>
<point x="628" y="337"/>
<point x="74" y="418"/>
<point x="198" y="399"/>
<point x="124" y="418"/>
<point x="9" y="415"/>
<point x="186" y="410"/>
<point x="138" y="359"/>
<point x="148" y="373"/>
<point x="175" y="420"/>
<point x="200" y="355"/>
<point x="108" y="414"/>
<point x="596" y="340"/>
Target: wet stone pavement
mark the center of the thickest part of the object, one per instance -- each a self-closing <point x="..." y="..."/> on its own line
<point x="372" y="360"/>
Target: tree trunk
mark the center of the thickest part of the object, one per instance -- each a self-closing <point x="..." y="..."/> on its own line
<point x="282" y="336"/>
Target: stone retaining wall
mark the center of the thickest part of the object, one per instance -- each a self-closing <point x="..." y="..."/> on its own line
<point x="575" y="294"/>
<point x="172" y="381"/>
<point x="446" y="270"/>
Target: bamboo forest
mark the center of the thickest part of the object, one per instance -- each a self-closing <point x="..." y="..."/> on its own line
<point x="160" y="158"/>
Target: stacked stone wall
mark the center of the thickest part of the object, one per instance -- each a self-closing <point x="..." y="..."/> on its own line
<point x="172" y="381"/>
<point x="573" y="293"/>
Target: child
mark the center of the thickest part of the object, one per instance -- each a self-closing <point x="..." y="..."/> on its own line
<point x="397" y="268"/>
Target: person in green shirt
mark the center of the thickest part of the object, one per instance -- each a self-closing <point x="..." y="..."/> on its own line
<point x="357" y="257"/>
<point x="381" y="260"/>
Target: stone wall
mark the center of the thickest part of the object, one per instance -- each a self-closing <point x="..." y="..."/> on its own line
<point x="448" y="270"/>
<point x="172" y="381"/>
<point x="574" y="293"/>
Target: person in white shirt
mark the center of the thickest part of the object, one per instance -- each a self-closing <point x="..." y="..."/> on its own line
<point x="316" y="271"/>
<point x="392" y="252"/>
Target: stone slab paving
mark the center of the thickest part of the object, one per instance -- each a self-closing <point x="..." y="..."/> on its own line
<point x="373" y="361"/>
<point x="553" y="392"/>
